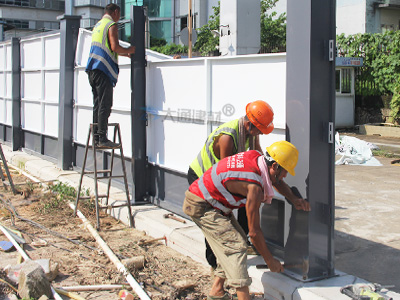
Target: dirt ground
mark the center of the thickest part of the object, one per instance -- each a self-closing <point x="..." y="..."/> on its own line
<point x="165" y="270"/>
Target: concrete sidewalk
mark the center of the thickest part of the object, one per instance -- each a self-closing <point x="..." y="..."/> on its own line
<point x="188" y="239"/>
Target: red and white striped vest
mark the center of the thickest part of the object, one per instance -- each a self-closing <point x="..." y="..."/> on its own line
<point x="211" y="185"/>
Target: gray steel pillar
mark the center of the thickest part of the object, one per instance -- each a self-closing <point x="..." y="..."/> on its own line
<point x="1" y="32"/>
<point x="16" y="138"/>
<point x="69" y="28"/>
<point x="138" y="103"/>
<point x="310" y="109"/>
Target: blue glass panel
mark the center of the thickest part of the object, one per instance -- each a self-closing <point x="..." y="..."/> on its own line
<point x="161" y="29"/>
<point x="159" y="8"/>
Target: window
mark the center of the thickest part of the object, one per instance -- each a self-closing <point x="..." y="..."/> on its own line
<point x="337" y="81"/>
<point x="344" y="80"/>
<point x="184" y="22"/>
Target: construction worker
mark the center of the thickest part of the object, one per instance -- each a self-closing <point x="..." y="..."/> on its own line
<point x="102" y="68"/>
<point x="245" y="179"/>
<point x="228" y="139"/>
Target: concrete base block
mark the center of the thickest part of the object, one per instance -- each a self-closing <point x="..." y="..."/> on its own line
<point x="380" y="129"/>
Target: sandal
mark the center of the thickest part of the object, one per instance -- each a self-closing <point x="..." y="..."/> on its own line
<point x="226" y="296"/>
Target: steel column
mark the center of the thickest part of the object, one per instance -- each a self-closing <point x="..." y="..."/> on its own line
<point x="138" y="103"/>
<point x="16" y="139"/>
<point x="310" y="109"/>
<point x="69" y="28"/>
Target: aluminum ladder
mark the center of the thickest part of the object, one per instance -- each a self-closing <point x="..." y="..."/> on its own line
<point x="107" y="174"/>
<point x="3" y="179"/>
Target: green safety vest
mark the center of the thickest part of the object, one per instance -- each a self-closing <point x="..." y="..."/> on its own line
<point x="101" y="57"/>
<point x="206" y="158"/>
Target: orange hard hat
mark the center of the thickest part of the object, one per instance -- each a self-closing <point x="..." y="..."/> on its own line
<point x="261" y="115"/>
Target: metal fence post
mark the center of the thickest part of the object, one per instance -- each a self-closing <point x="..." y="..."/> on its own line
<point x="16" y="139"/>
<point x="138" y="103"/>
<point x="69" y="27"/>
<point x="310" y="115"/>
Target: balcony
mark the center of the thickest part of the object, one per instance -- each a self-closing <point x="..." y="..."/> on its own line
<point x="43" y="4"/>
<point x="97" y="3"/>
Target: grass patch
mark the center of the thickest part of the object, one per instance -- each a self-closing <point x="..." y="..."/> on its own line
<point x="57" y="198"/>
<point x="384" y="153"/>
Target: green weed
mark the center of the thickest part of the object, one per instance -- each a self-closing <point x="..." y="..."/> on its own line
<point x="384" y="153"/>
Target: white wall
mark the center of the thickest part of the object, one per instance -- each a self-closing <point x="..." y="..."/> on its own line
<point x="350" y="17"/>
<point x="240" y="27"/>
<point x="389" y="19"/>
<point x="180" y="95"/>
<point x="5" y="83"/>
<point x="40" y="64"/>
<point x="184" y="97"/>
<point x="183" y="94"/>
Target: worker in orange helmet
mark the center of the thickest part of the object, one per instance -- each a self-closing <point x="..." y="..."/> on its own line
<point x="231" y="138"/>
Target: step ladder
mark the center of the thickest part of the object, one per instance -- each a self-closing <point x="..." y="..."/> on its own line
<point x="3" y="179"/>
<point x="107" y="174"/>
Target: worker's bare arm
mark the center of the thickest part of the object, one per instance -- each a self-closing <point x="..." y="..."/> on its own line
<point x="254" y="195"/>
<point x="114" y="42"/>
<point x="224" y="146"/>
<point x="284" y="189"/>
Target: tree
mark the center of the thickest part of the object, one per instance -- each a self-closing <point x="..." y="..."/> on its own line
<point x="273" y="30"/>
<point x="206" y="41"/>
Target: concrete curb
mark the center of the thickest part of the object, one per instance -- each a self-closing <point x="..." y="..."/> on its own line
<point x="187" y="238"/>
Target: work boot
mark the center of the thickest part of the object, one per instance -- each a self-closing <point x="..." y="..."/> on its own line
<point x="108" y="144"/>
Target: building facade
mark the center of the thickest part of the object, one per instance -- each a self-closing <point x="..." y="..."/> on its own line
<point x="361" y="16"/>
<point x="22" y="17"/>
<point x="168" y="17"/>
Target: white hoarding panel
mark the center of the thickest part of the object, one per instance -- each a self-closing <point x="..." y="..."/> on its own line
<point x="51" y="120"/>
<point x="32" y="116"/>
<point x="2" y="56"/>
<point x="3" y="110"/>
<point x="8" y="59"/>
<point x="177" y="84"/>
<point x="122" y="91"/>
<point x="8" y="85"/>
<point x="274" y="136"/>
<point x="124" y="120"/>
<point x="261" y="77"/>
<point x="83" y="118"/>
<point x="31" y="85"/>
<point x="51" y="86"/>
<point x="8" y="119"/>
<point x="174" y="144"/>
<point x="31" y="54"/>
<point x="3" y="86"/>
<point x="83" y="90"/>
<point x="52" y="52"/>
<point x="83" y="47"/>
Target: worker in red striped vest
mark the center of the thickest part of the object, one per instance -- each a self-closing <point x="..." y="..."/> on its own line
<point x="245" y="179"/>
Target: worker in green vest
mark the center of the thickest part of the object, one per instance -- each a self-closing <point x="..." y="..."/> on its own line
<point x="102" y="68"/>
<point x="231" y="138"/>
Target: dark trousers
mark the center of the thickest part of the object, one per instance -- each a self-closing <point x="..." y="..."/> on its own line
<point x="102" y="89"/>
<point x="242" y="219"/>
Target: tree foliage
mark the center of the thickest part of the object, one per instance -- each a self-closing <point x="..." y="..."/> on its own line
<point x="206" y="41"/>
<point x="273" y="28"/>
<point x="170" y="49"/>
<point x="381" y="71"/>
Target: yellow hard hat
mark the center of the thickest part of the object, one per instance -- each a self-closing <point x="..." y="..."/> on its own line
<point x="285" y="154"/>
